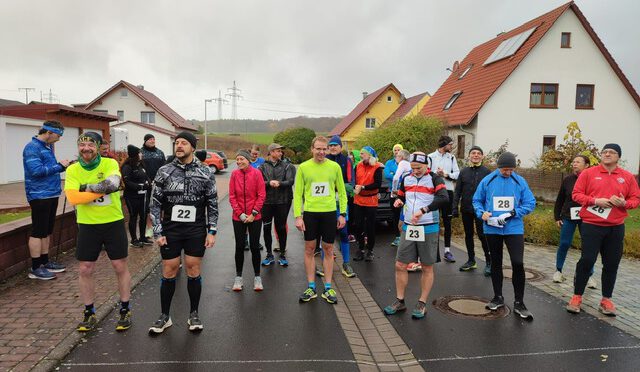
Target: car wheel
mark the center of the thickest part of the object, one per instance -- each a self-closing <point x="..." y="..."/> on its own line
<point x="214" y="169"/>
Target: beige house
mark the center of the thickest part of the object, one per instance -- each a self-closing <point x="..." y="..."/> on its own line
<point x="141" y="112"/>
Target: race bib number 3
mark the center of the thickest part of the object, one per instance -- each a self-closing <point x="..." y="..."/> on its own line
<point x="320" y="189"/>
<point x="575" y="213"/>
<point x="415" y="233"/>
<point x="599" y="211"/>
<point x="503" y="203"/>
<point x="102" y="201"/>
<point x="183" y="213"/>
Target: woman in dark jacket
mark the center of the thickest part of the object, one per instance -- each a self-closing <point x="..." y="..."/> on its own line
<point x="136" y="186"/>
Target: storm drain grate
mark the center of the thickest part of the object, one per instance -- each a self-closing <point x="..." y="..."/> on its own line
<point x="530" y="275"/>
<point x="469" y="307"/>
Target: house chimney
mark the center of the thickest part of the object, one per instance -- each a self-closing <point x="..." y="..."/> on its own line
<point x="402" y="98"/>
<point x="364" y="95"/>
<point x="141" y="87"/>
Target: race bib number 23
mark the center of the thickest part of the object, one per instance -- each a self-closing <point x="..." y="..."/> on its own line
<point x="415" y="233"/>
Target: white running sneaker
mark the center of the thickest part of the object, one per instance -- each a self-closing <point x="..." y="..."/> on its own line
<point x="558" y="277"/>
<point x="591" y="283"/>
<point x="257" y="284"/>
<point x="237" y="284"/>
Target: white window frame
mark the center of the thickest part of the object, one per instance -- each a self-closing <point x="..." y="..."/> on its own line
<point x="120" y="114"/>
<point x="452" y="100"/>
<point x="389" y="99"/>
<point x="124" y="93"/>
<point x="149" y="115"/>
<point x="370" y="123"/>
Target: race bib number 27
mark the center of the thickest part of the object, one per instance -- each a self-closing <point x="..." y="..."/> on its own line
<point x="320" y="189"/>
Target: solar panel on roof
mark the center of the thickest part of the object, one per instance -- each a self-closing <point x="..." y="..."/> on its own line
<point x="509" y="47"/>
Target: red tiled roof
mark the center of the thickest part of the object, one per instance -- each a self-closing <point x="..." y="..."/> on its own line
<point x="152" y="100"/>
<point x="481" y="82"/>
<point x="404" y="108"/>
<point x="359" y="109"/>
<point x="39" y="111"/>
<point x="148" y="126"/>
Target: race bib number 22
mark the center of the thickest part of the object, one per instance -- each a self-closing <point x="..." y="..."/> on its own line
<point x="183" y="213"/>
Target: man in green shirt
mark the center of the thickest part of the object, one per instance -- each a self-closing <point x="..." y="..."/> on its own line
<point x="317" y="182"/>
<point x="92" y="185"/>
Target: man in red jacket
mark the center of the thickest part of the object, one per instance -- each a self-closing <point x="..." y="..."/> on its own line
<point x="605" y="192"/>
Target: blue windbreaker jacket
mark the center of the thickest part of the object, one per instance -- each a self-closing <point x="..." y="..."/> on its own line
<point x="41" y="171"/>
<point x="495" y="185"/>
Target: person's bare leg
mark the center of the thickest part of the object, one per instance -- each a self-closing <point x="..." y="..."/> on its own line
<point x="124" y="278"/>
<point x="86" y="281"/>
<point x="309" y="262"/>
<point x="44" y="247"/>
<point x="35" y="247"/>
<point x="402" y="279"/>
<point x="426" y="282"/>
<point x="327" y="263"/>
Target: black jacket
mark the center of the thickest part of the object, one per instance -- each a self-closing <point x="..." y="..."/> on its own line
<point x="136" y="181"/>
<point x="466" y="186"/>
<point x="282" y="171"/>
<point x="564" y="203"/>
<point x="152" y="158"/>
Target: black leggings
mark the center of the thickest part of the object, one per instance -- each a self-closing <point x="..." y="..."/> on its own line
<point x="240" y="232"/>
<point x="468" y="221"/>
<point x="609" y="242"/>
<point x="515" y="246"/>
<point x="446" y="214"/>
<point x="278" y="214"/>
<point x="365" y="224"/>
<point x="396" y="216"/>
<point x="136" y="207"/>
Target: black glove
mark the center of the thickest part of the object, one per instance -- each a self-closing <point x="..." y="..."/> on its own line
<point x="83" y="188"/>
<point x="455" y="213"/>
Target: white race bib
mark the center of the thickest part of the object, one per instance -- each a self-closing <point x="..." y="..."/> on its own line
<point x="574" y="212"/>
<point x="319" y="189"/>
<point x="415" y="233"/>
<point x="102" y="201"/>
<point x="503" y="203"/>
<point x="183" y="213"/>
<point x="599" y="211"/>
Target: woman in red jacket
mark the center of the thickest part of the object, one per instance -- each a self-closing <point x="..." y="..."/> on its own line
<point x="246" y="195"/>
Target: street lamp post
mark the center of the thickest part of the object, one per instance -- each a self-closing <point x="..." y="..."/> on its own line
<point x="205" y="122"/>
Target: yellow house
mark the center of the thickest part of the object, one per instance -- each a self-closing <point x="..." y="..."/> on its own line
<point x="369" y="114"/>
<point x="410" y="108"/>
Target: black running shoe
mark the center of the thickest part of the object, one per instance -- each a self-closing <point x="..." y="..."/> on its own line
<point x="163" y="322"/>
<point x="359" y="256"/>
<point x="195" y="324"/>
<point x="496" y="303"/>
<point x="368" y="256"/>
<point x="520" y="309"/>
<point x="124" y="322"/>
<point x="89" y="322"/>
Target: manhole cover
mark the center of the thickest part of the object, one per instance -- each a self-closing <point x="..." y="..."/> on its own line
<point x="530" y="275"/>
<point x="469" y="307"/>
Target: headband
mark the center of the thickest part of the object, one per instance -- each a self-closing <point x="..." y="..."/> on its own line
<point x="57" y="131"/>
<point x="90" y="137"/>
<point x="418" y="158"/>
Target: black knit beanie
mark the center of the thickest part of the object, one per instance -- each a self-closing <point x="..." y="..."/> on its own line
<point x="189" y="137"/>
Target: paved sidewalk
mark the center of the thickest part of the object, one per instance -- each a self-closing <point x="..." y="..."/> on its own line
<point x="625" y="294"/>
<point x="39" y="318"/>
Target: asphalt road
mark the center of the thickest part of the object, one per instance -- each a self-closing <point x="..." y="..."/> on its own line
<point x="267" y="331"/>
<point x="554" y="340"/>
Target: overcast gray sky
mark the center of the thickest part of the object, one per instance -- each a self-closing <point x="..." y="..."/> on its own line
<point x="310" y="57"/>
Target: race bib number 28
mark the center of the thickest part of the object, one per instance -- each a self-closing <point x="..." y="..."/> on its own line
<point x="503" y="203"/>
<point x="320" y="189"/>
<point x="183" y="213"/>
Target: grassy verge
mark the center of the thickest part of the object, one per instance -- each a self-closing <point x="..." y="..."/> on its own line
<point x="12" y="216"/>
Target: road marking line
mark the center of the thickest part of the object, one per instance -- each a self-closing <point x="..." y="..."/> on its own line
<point x="148" y="362"/>
<point x="552" y="352"/>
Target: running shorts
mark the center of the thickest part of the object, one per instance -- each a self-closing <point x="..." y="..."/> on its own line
<point x="427" y="251"/>
<point x="193" y="246"/>
<point x="111" y="236"/>
<point x="43" y="216"/>
<point x="320" y="224"/>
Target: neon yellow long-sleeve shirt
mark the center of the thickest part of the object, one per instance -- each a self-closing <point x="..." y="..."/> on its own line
<point x="316" y="186"/>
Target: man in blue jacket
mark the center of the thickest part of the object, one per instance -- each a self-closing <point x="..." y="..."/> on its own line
<point x="502" y="199"/>
<point x="390" y="169"/>
<point x="42" y="185"/>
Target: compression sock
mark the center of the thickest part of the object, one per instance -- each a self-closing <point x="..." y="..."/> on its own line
<point x="312" y="285"/>
<point x="327" y="286"/>
<point x="44" y="258"/>
<point x="194" y="287"/>
<point x="167" y="288"/>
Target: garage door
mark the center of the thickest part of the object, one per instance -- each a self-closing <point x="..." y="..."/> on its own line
<point x="20" y="135"/>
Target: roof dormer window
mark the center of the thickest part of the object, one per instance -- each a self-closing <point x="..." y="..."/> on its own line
<point x="465" y="72"/>
<point x="452" y="100"/>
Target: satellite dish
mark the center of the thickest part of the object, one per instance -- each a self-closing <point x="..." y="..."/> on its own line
<point x="456" y="66"/>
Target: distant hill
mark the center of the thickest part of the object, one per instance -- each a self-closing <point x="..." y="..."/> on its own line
<point x="321" y="125"/>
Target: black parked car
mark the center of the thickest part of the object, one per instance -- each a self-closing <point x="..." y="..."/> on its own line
<point x="384" y="213"/>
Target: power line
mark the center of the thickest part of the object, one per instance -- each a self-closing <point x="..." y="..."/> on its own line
<point x="234" y="100"/>
<point x="26" y="93"/>
<point x="290" y="112"/>
<point x="220" y="101"/>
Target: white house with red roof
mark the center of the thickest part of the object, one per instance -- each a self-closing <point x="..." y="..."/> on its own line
<point x="141" y="112"/>
<point x="528" y="84"/>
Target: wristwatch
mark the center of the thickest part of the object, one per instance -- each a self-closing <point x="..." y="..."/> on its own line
<point x="343" y="215"/>
<point x="212" y="232"/>
<point x="255" y="212"/>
